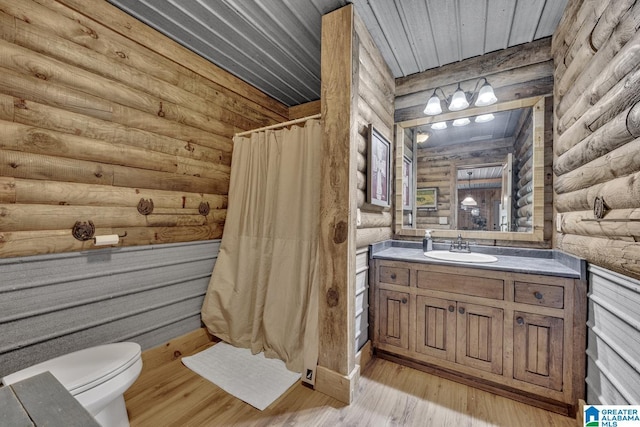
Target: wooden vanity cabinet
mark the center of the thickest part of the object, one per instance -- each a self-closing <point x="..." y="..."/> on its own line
<point x="519" y="335"/>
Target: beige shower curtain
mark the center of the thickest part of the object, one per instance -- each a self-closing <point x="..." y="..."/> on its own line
<point x="262" y="293"/>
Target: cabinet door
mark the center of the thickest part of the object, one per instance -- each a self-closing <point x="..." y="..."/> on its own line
<point x="538" y="345"/>
<point x="479" y="343"/>
<point x="393" y="318"/>
<point x="436" y="327"/>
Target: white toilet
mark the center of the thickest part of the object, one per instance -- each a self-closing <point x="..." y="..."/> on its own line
<point x="97" y="377"/>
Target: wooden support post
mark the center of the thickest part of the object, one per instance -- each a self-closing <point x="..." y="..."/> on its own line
<point x="337" y="373"/>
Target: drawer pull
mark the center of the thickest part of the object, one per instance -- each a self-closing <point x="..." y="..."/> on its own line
<point x="404" y="300"/>
<point x="461" y="310"/>
<point x="393" y="276"/>
<point x="520" y="320"/>
<point x="537" y="294"/>
<point x="452" y="308"/>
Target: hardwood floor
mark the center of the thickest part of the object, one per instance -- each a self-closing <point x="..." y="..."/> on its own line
<point x="169" y="394"/>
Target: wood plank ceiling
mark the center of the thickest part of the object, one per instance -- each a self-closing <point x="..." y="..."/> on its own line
<point x="275" y="45"/>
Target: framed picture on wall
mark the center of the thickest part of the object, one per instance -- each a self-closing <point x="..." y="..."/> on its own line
<point x="427" y="198"/>
<point x="407" y="180"/>
<point x="378" y="169"/>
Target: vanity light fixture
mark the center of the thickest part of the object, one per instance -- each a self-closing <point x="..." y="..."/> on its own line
<point x="469" y="201"/>
<point x="459" y="100"/>
<point x="484" y="118"/>
<point x="439" y="125"/>
<point x="461" y="122"/>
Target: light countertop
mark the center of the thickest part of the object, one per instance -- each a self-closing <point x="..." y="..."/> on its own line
<point x="518" y="260"/>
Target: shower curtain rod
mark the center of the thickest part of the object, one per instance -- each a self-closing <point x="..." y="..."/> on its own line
<point x="278" y="125"/>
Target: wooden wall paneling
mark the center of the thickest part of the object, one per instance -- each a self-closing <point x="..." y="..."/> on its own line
<point x="41" y="141"/>
<point x="6" y="107"/>
<point x="146" y="55"/>
<point x="68" y="193"/>
<point x="499" y="61"/>
<point x="597" y="107"/>
<point x="30" y="217"/>
<point x="304" y="110"/>
<point x="34" y="89"/>
<point x="97" y="117"/>
<point x="612" y="65"/>
<point x="337" y="373"/>
<point x="29" y="63"/>
<point x="225" y="82"/>
<point x="580" y="49"/>
<point x="58" y="49"/>
<point x="615" y="133"/>
<point x="43" y="116"/>
<point x="26" y="243"/>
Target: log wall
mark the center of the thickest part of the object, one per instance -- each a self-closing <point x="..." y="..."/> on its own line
<point x="597" y="106"/>
<point x="376" y="88"/>
<point x="596" y="51"/>
<point x="99" y="111"/>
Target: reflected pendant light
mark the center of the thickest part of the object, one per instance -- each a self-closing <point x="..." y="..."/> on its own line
<point x="461" y="122"/>
<point x="469" y="201"/>
<point x="484" y="118"/>
<point x="422" y="137"/>
<point x="439" y="125"/>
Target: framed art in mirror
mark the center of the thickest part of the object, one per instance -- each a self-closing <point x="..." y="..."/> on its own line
<point x="427" y="198"/>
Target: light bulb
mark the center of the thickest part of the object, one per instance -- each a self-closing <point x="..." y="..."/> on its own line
<point x="433" y="106"/>
<point x="486" y="96"/>
<point x="458" y="101"/>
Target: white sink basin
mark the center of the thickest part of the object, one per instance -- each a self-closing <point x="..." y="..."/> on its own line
<point x="461" y="256"/>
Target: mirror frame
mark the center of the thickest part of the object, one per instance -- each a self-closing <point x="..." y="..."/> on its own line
<point x="537" y="235"/>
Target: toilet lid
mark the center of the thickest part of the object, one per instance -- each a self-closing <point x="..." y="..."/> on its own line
<point x="84" y="369"/>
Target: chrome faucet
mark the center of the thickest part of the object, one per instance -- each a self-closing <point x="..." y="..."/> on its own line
<point x="459" y="245"/>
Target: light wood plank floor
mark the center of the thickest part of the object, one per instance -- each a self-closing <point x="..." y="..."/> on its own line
<point x="388" y="395"/>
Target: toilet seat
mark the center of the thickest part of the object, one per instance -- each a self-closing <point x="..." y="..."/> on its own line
<point x="84" y="369"/>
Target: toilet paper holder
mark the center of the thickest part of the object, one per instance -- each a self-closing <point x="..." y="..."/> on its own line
<point x="86" y="230"/>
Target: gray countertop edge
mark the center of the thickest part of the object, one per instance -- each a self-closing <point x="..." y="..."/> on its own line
<point x="574" y="267"/>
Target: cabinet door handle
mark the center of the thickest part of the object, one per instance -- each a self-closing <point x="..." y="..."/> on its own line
<point x="537" y="294"/>
<point x="461" y="310"/>
<point x="452" y="308"/>
<point x="393" y="276"/>
<point x="404" y="300"/>
<point x="520" y="320"/>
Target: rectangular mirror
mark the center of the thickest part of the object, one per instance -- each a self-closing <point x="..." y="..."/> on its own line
<point x="481" y="176"/>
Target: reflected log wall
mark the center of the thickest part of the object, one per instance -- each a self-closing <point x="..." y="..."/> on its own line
<point x="99" y="111"/>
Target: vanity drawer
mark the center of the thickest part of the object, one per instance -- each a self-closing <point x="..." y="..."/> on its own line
<point x="394" y="275"/>
<point x="537" y="294"/>
<point x="460" y="284"/>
